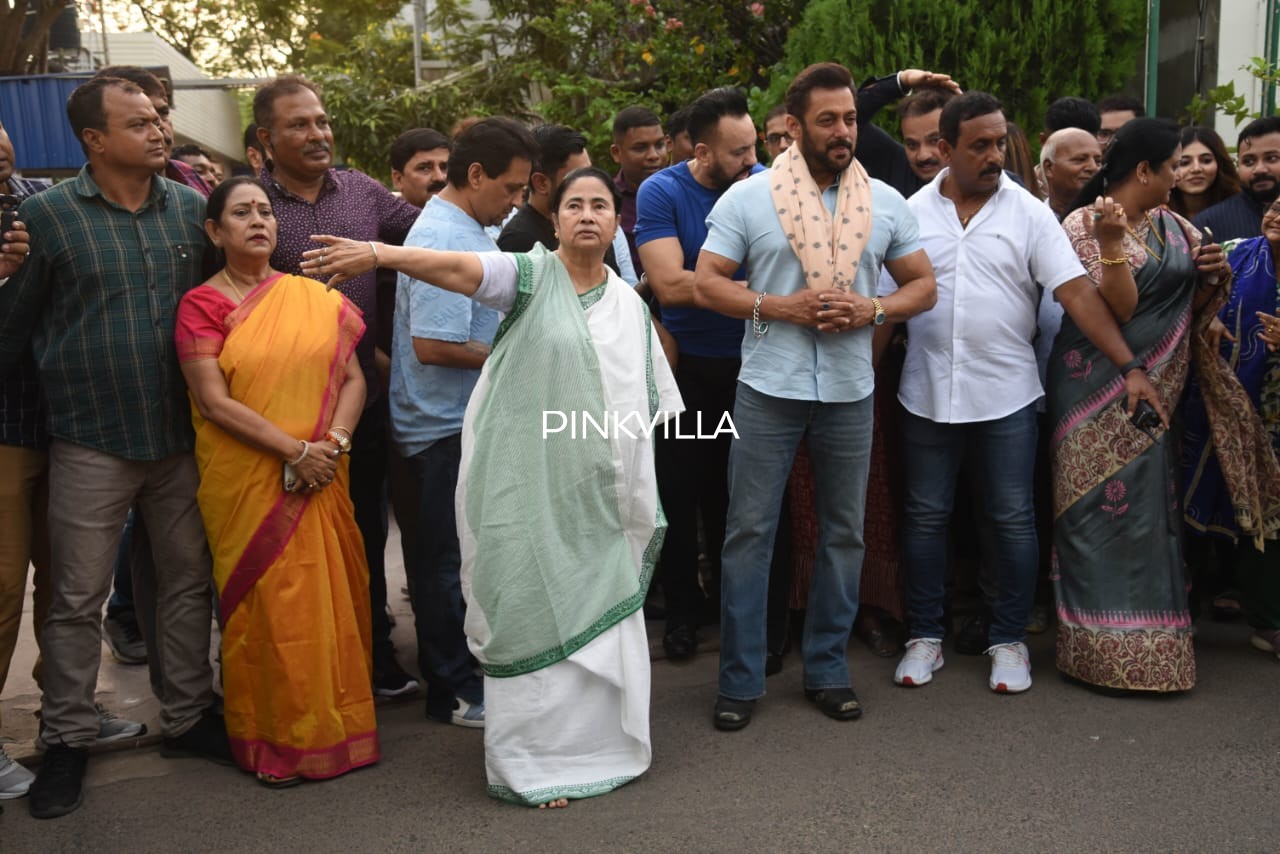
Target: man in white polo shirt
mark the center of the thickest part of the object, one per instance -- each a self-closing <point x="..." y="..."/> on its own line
<point x="970" y="383"/>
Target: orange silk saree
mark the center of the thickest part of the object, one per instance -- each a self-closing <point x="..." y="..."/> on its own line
<point x="292" y="579"/>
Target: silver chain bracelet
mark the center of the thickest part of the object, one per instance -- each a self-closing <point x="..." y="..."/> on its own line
<point x="756" y="326"/>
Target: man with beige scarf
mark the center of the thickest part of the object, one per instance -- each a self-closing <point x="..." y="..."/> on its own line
<point x="814" y="233"/>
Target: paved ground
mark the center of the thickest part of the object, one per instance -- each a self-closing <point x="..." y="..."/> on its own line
<point x="946" y="767"/>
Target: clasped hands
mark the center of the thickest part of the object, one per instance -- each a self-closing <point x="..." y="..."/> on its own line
<point x="829" y="310"/>
<point x="319" y="467"/>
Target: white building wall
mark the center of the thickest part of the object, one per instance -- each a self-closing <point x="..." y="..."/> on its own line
<point x="207" y="117"/>
<point x="1242" y="35"/>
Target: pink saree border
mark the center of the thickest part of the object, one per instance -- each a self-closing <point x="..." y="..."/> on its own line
<point x="264" y="757"/>
<point x="281" y="521"/>
<point x="1093" y="404"/>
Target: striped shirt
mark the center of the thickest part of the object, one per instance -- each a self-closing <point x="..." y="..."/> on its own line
<point x="21" y="412"/>
<point x="96" y="298"/>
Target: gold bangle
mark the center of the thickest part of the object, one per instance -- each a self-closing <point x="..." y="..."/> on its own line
<point x="1113" y="262"/>
<point x="346" y="430"/>
<point x="374" y="247"/>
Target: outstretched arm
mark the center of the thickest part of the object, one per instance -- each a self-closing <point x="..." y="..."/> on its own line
<point x="342" y="259"/>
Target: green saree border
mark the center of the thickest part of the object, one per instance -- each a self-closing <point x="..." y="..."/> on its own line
<point x="606" y="621"/>
<point x="576" y="791"/>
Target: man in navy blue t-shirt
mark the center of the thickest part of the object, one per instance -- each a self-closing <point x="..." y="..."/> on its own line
<point x="671" y="213"/>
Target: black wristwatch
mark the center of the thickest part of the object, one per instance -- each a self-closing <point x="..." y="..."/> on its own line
<point x="1130" y="365"/>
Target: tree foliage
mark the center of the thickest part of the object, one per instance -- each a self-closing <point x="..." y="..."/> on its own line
<point x="586" y="59"/>
<point x="26" y="53"/>
<point x="1228" y="101"/>
<point x="1025" y="52"/>
<point x="259" y="37"/>
<point x="371" y="101"/>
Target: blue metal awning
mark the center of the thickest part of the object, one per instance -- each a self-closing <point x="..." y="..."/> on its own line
<point x="34" y="112"/>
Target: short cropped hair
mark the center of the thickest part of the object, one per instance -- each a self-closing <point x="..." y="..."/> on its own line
<point x="708" y="108"/>
<point x="151" y="85"/>
<point x="779" y="110"/>
<point x="556" y="144"/>
<point x="412" y="141"/>
<point x="84" y="106"/>
<point x="251" y="139"/>
<point x="924" y="102"/>
<point x="493" y="143"/>
<point x="1121" y="103"/>
<point x="961" y="108"/>
<point x="264" y="99"/>
<point x="190" y="149"/>
<point x="677" y="123"/>
<point x="822" y="75"/>
<point x="1258" y="127"/>
<point x="1072" y="112"/>
<point x="630" y="118"/>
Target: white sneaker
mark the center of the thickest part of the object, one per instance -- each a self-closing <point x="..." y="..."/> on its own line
<point x="1010" y="668"/>
<point x="923" y="656"/>
<point x="468" y="714"/>
<point x="14" y="779"/>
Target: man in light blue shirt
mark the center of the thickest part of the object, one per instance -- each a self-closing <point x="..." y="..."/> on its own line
<point x="806" y="374"/>
<point x="439" y="345"/>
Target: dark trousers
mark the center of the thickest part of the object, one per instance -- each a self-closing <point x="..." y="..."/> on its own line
<point x="692" y="479"/>
<point x="367" y="488"/>
<point x="438" y="607"/>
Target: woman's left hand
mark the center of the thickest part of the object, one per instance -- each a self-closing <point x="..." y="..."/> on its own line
<point x="1212" y="261"/>
<point x="1217" y="331"/>
<point x="339" y="259"/>
<point x="1270" y="334"/>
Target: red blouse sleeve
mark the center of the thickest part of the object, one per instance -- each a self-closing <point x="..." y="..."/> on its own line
<point x="200" y="327"/>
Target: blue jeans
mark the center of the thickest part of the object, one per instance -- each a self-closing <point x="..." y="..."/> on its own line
<point x="1005" y="455"/>
<point x="769" y="430"/>
<point x="438" y="606"/>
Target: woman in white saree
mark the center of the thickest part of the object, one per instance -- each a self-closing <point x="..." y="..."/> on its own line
<point x="558" y="513"/>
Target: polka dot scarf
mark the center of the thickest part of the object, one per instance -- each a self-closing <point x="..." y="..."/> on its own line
<point x="828" y="246"/>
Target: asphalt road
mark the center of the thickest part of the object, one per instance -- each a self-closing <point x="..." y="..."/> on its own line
<point x="948" y="767"/>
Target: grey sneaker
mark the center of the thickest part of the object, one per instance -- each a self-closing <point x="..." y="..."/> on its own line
<point x="468" y="715"/>
<point x="110" y="728"/>
<point x="124" y="639"/>
<point x="15" y="780"/>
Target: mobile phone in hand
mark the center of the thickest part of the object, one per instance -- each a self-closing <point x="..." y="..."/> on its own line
<point x="8" y="212"/>
<point x="1145" y="418"/>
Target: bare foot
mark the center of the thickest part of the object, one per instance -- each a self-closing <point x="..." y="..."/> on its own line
<point x="554" y="805"/>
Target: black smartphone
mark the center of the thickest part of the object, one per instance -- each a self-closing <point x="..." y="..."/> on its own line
<point x="8" y="212"/>
<point x="1145" y="418"/>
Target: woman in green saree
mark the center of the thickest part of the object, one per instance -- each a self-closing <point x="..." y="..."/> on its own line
<point x="558" y="515"/>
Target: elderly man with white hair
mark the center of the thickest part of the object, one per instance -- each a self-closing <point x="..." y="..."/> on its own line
<point x="1069" y="158"/>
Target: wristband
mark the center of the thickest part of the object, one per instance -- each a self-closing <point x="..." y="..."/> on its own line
<point x="1132" y="364"/>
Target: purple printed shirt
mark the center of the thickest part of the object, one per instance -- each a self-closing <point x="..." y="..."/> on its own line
<point x="350" y="205"/>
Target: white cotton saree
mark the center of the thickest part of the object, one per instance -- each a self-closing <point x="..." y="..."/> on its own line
<point x="559" y="528"/>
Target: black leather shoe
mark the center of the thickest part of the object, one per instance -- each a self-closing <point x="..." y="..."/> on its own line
<point x="972" y="639"/>
<point x="838" y="703"/>
<point x="59" y="786"/>
<point x="680" y="643"/>
<point x="733" y="715"/>
<point x="207" y="739"/>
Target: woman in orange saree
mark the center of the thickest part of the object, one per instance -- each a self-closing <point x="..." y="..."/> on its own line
<point x="275" y="395"/>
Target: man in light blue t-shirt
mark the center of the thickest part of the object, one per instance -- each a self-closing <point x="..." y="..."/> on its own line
<point x="439" y="345"/>
<point x="806" y="374"/>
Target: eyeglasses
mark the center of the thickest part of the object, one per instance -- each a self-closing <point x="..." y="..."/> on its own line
<point x="777" y="138"/>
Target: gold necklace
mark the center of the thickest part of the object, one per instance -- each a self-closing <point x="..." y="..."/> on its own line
<point x="1151" y="227"/>
<point x="236" y="290"/>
